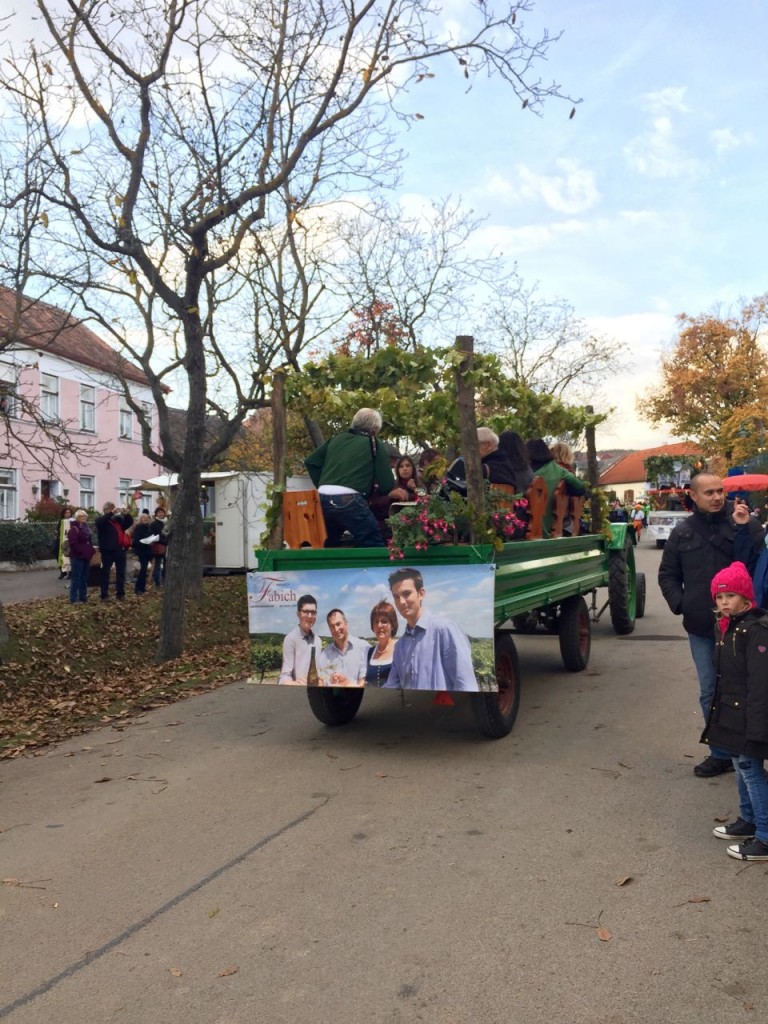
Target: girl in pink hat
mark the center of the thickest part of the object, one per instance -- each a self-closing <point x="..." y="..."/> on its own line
<point x="738" y="715"/>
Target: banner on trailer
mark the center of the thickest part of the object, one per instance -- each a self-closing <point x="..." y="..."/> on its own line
<point x="394" y="627"/>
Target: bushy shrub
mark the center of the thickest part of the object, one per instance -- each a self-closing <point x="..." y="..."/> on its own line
<point x="25" y="543"/>
<point x="265" y="658"/>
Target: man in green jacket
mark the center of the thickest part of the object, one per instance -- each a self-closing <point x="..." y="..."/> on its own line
<point x="345" y="470"/>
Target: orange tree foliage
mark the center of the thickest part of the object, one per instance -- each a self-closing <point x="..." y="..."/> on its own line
<point x="251" y="450"/>
<point x="715" y="375"/>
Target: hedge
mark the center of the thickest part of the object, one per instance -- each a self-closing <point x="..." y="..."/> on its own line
<point x="25" y="543"/>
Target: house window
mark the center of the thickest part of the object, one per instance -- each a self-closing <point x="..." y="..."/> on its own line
<point x="87" y="408"/>
<point x="49" y="405"/>
<point x="126" y="422"/>
<point x="125" y="490"/>
<point x="9" y="403"/>
<point x="8" y="494"/>
<point x="87" y="492"/>
<point x="146" y="408"/>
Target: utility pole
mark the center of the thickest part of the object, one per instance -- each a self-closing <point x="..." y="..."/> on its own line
<point x="592" y="475"/>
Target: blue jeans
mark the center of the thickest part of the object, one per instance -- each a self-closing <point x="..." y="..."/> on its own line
<point x="350" y="512"/>
<point x="703" y="653"/>
<point x="753" y="793"/>
<point x="78" y="581"/>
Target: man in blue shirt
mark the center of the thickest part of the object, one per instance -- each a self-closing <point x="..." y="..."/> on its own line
<point x="433" y="653"/>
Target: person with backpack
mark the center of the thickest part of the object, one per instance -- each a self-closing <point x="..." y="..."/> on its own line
<point x="114" y="542"/>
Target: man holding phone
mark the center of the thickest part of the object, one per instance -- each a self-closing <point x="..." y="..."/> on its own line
<point x="717" y="533"/>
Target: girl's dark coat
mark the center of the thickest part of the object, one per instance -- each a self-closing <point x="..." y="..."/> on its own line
<point x="738" y="717"/>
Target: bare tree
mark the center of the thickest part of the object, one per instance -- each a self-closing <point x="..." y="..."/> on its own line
<point x="164" y="134"/>
<point x="417" y="265"/>
<point x="543" y="344"/>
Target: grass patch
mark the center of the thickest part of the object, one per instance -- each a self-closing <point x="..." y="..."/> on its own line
<point x="69" y="668"/>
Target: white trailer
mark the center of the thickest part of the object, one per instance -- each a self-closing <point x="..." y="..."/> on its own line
<point x="238" y="504"/>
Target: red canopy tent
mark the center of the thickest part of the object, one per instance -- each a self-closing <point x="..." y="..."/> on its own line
<point x="746" y="482"/>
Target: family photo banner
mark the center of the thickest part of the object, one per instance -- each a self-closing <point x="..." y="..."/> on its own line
<point x="393" y="627"/>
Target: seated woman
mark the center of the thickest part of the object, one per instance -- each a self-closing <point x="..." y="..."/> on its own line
<point x="563" y="455"/>
<point x="511" y="444"/>
<point x="431" y="469"/>
<point x="384" y="626"/>
<point x="406" y="476"/>
<point x="543" y="465"/>
<point x="404" y="490"/>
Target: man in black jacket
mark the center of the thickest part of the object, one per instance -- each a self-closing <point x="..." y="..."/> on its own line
<point x="717" y="533"/>
<point x="111" y="548"/>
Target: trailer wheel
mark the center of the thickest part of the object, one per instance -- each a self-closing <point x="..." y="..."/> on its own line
<point x="496" y="712"/>
<point x="639" y="595"/>
<point x="334" y="705"/>
<point x="621" y="589"/>
<point x="575" y="632"/>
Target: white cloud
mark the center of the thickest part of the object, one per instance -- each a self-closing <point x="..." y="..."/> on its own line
<point x="511" y="242"/>
<point x="643" y="337"/>
<point x="571" y="191"/>
<point x="657" y="153"/>
<point x="663" y="100"/>
<point x="724" y="140"/>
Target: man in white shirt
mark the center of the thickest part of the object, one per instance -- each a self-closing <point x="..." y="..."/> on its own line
<point x="344" y="661"/>
<point x="299" y="643"/>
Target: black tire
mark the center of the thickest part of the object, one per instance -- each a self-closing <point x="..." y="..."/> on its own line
<point x="660" y="543"/>
<point x="639" y="595"/>
<point x="496" y="712"/>
<point x="575" y="632"/>
<point x="621" y="589"/>
<point x="334" y="705"/>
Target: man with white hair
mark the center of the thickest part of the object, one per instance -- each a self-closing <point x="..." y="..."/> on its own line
<point x="494" y="462"/>
<point x="345" y="470"/>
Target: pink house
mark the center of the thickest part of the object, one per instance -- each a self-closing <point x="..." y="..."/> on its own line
<point x="66" y="428"/>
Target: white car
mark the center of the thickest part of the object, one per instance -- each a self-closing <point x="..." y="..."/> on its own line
<point x="661" y="524"/>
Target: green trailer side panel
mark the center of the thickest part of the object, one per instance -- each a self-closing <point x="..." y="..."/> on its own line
<point x="360" y="558"/>
<point x="539" y="573"/>
<point x="530" y="574"/>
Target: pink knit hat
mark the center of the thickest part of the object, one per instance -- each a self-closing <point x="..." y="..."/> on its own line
<point x="734" y="580"/>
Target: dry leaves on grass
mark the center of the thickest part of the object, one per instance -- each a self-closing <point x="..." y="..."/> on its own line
<point x="68" y="668"/>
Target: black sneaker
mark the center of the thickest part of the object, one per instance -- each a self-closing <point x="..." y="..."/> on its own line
<point x="738" y="829"/>
<point x="712" y="766"/>
<point x="752" y="849"/>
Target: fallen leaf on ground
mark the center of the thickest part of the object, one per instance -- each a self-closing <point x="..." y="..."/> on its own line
<point x="604" y="934"/>
<point x="105" y="779"/>
<point x="700" y="899"/>
<point x="720" y="820"/>
<point x="175" y="971"/>
<point x="228" y="971"/>
<point x="214" y="912"/>
<point x="623" y="880"/>
<point x="381" y="775"/>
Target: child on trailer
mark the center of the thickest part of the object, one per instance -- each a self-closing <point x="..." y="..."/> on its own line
<point x="738" y="716"/>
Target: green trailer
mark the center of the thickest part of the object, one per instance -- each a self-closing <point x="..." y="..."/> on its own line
<point x="538" y="584"/>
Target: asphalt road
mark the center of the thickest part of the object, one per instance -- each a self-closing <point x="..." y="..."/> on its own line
<point x="229" y="860"/>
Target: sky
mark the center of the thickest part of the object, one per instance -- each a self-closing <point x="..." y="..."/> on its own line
<point x="648" y="203"/>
